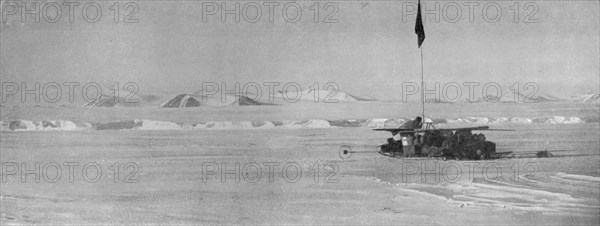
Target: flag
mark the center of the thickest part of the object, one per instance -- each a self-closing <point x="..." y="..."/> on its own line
<point x="419" y="30"/>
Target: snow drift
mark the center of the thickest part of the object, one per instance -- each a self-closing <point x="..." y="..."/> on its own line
<point x="145" y="124"/>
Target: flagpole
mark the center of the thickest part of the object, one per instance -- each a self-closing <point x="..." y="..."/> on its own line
<point x="420" y="31"/>
<point x="422" y="88"/>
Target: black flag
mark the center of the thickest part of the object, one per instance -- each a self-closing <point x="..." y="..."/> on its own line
<point x="419" y="30"/>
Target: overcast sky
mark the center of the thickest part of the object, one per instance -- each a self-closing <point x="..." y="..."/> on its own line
<point x="369" y="51"/>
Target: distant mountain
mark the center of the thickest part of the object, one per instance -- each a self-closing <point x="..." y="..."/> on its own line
<point x="123" y="101"/>
<point x="112" y="101"/>
<point x="193" y="100"/>
<point x="486" y="99"/>
<point x="539" y="98"/>
<point x="326" y="96"/>
<point x="436" y="101"/>
<point x="592" y="98"/>
<point x="181" y="101"/>
<point x="247" y="101"/>
<point x="511" y="98"/>
<point x="364" y="98"/>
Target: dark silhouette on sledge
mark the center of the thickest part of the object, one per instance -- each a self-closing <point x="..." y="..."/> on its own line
<point x="448" y="143"/>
